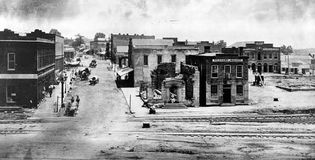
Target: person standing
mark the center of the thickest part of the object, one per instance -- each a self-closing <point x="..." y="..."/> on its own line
<point x="78" y="99"/>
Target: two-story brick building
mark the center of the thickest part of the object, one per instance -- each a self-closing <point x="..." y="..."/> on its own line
<point x="146" y="54"/>
<point x="263" y="57"/>
<point x="223" y="78"/>
<point x="27" y="65"/>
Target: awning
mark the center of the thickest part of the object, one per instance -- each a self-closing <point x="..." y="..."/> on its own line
<point x="124" y="71"/>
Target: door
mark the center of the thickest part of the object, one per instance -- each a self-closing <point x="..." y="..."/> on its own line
<point x="226" y="93"/>
<point x="259" y="68"/>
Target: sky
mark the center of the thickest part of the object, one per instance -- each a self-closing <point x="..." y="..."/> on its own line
<point x="288" y="22"/>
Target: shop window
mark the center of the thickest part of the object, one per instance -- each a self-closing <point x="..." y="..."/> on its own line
<point x="239" y="90"/>
<point x="239" y="71"/>
<point x="11" y="94"/>
<point x="173" y="58"/>
<point x="11" y="61"/>
<point x="159" y="59"/>
<point x="214" y="90"/>
<point x="214" y="71"/>
<point x="145" y="60"/>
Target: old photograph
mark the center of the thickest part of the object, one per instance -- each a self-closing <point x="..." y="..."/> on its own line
<point x="157" y="79"/>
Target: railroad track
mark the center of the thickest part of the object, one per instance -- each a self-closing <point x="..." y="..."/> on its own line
<point x="33" y="121"/>
<point x="16" y="131"/>
<point x="306" y="119"/>
<point x="229" y="134"/>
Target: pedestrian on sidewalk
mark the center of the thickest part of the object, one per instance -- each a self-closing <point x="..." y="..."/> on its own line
<point x="72" y="99"/>
<point x="50" y="89"/>
<point x="78" y="99"/>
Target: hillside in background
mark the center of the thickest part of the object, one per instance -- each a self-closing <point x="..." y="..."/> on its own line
<point x="304" y="52"/>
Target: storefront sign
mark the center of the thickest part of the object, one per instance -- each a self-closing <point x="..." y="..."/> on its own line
<point x="271" y="49"/>
<point x="227" y="60"/>
<point x="249" y="49"/>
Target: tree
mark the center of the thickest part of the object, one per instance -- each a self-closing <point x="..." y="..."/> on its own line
<point x="286" y="49"/>
<point x="221" y="43"/>
<point x="99" y="35"/>
<point x="55" y="31"/>
<point x="78" y="41"/>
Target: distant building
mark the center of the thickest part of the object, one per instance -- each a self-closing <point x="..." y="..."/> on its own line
<point x="146" y="54"/>
<point x="27" y="65"/>
<point x="298" y="64"/>
<point x="263" y="57"/>
<point x="122" y="40"/>
<point x="213" y="47"/>
<point x="223" y="78"/>
<point x="69" y="53"/>
<point x="99" y="45"/>
<point x="59" y="51"/>
<point x="204" y="46"/>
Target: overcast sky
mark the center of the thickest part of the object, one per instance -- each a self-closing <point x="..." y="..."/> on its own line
<point x="289" y="22"/>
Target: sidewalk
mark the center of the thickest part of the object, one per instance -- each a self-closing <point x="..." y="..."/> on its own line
<point x="47" y="107"/>
<point x="136" y="102"/>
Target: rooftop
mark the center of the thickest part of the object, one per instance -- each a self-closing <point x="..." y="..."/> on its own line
<point x="240" y="44"/>
<point x="152" y="42"/>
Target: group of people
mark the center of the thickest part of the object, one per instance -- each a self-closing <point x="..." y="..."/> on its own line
<point x="259" y="79"/>
<point x="72" y="106"/>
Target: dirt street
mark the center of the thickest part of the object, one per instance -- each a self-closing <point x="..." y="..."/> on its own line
<point x="104" y="129"/>
<point x="102" y="108"/>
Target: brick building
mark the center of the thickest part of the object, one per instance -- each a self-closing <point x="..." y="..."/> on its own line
<point x="223" y="78"/>
<point x="146" y="54"/>
<point x="262" y="57"/>
<point x="27" y="65"/>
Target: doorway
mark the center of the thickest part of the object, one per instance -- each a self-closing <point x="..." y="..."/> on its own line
<point x="265" y="67"/>
<point x="254" y="67"/>
<point x="259" y="68"/>
<point x="226" y="93"/>
<point x="270" y="68"/>
<point x="173" y="94"/>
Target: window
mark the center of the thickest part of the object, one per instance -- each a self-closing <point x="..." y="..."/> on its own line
<point x="276" y="56"/>
<point x="239" y="71"/>
<point x="259" y="56"/>
<point x="145" y="60"/>
<point x="270" y="56"/>
<point x="214" y="90"/>
<point x="173" y="58"/>
<point x="239" y="90"/>
<point x="11" y="94"/>
<point x="159" y="59"/>
<point x="214" y="71"/>
<point x="265" y="55"/>
<point x="227" y="69"/>
<point x="45" y="57"/>
<point x="253" y="55"/>
<point x="11" y="61"/>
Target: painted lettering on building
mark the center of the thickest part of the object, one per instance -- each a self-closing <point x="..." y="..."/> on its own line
<point x="227" y="60"/>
